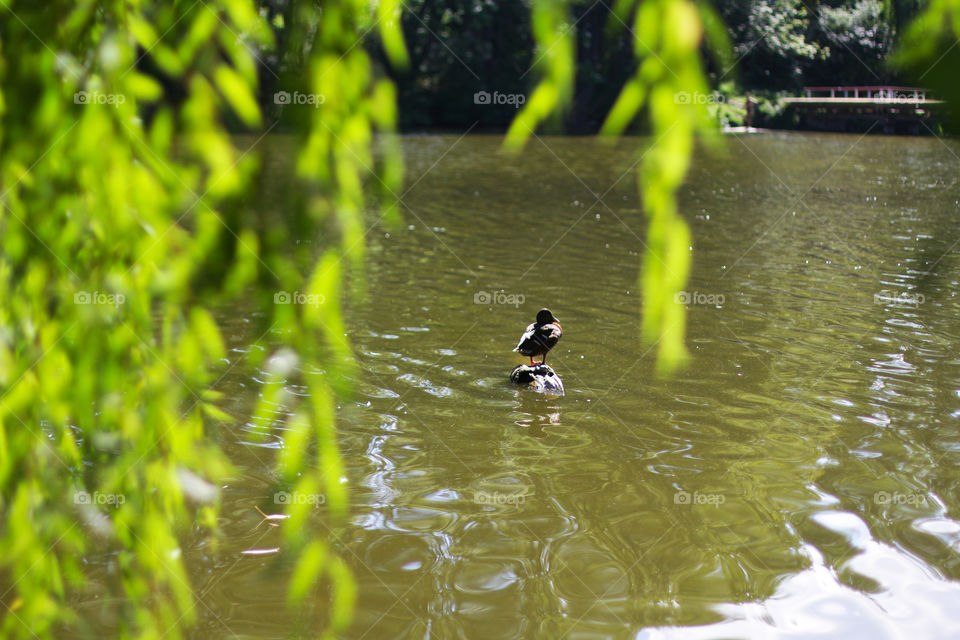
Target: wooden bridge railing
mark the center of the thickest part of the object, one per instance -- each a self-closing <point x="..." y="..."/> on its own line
<point x="869" y="92"/>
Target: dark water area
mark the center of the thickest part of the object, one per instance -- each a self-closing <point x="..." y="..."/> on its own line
<point x="798" y="480"/>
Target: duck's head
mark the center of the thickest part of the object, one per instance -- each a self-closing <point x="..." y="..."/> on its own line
<point x="545" y="317"/>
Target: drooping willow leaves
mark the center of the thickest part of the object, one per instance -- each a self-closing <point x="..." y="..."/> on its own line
<point x="930" y="55"/>
<point x="670" y="88"/>
<point x="125" y="220"/>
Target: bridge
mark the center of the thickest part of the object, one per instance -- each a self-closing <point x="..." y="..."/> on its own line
<point x="891" y="109"/>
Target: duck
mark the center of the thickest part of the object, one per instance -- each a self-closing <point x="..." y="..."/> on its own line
<point x="540" y="336"/>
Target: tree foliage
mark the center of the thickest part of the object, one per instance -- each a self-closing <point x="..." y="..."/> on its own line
<point x="668" y="85"/>
<point x="126" y="218"/>
<point x="459" y="48"/>
<point x="929" y="51"/>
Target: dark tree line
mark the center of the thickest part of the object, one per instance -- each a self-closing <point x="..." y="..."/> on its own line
<point x="460" y="47"/>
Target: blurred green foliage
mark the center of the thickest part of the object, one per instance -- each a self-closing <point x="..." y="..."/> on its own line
<point x="930" y="53"/>
<point x="669" y="87"/>
<point x="126" y="217"/>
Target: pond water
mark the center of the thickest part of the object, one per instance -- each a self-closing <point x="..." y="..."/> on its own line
<point x="798" y="480"/>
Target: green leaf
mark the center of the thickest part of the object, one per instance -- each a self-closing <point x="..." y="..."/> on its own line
<point x="238" y="94"/>
<point x="306" y="573"/>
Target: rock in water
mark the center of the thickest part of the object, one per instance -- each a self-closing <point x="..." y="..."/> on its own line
<point x="539" y="377"/>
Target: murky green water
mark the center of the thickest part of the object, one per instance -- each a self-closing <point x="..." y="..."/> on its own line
<point x="799" y="480"/>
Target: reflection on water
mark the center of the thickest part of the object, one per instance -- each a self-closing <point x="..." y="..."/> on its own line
<point x="799" y="480"/>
